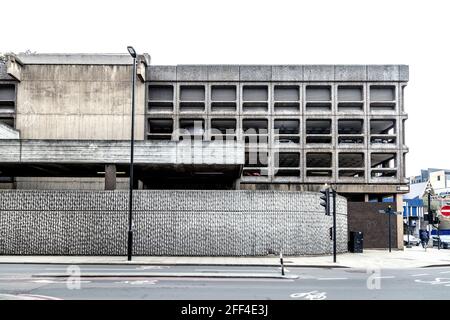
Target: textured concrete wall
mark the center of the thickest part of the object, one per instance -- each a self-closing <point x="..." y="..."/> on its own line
<point x="78" y="102"/>
<point x="198" y="223"/>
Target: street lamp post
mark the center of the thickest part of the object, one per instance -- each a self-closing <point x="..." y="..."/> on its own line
<point x="130" y="201"/>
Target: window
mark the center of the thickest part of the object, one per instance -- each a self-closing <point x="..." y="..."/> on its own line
<point x="223" y="98"/>
<point x="382" y="98"/>
<point x="223" y="128"/>
<point x="320" y="162"/>
<point x="318" y="98"/>
<point x="7" y="104"/>
<point x="255" y="98"/>
<point x="350" y="98"/>
<point x="160" y="98"/>
<point x="192" y="98"/>
<point x="383" y="165"/>
<point x="383" y="131"/>
<point x="191" y="128"/>
<point x="160" y="129"/>
<point x="255" y="130"/>
<point x="318" y="131"/>
<point x="350" y="131"/>
<point x="286" y="99"/>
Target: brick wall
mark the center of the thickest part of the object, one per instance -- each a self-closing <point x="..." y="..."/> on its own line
<point x="364" y="216"/>
<point x="185" y="222"/>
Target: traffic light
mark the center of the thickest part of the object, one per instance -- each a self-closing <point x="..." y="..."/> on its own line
<point x="430" y="217"/>
<point x="325" y="200"/>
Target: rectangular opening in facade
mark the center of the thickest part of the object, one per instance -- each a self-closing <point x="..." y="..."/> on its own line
<point x="255" y="98"/>
<point x="383" y="131"/>
<point x="223" y="98"/>
<point x="350" y="98"/>
<point x="286" y="164"/>
<point x="350" y="131"/>
<point x="384" y="174"/>
<point x="160" y="129"/>
<point x="192" y="98"/>
<point x="321" y="162"/>
<point x="382" y="98"/>
<point x="286" y="131"/>
<point x="256" y="159"/>
<point x="351" y="160"/>
<point x="191" y="128"/>
<point x="318" y="131"/>
<point x="287" y="159"/>
<point x="280" y="172"/>
<point x="256" y="163"/>
<point x="351" y="173"/>
<point x="287" y="126"/>
<point x="350" y="126"/>
<point x="255" y="130"/>
<point x="383" y="160"/>
<point x="223" y="128"/>
<point x="383" y="126"/>
<point x="160" y="98"/>
<point x="286" y="99"/>
<point x="7" y="120"/>
<point x="318" y="98"/>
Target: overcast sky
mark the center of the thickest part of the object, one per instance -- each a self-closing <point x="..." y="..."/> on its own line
<point x="410" y="32"/>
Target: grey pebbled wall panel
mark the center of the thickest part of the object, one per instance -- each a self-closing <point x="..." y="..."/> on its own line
<point x="168" y="223"/>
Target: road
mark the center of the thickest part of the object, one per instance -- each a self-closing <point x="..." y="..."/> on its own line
<point x="26" y="281"/>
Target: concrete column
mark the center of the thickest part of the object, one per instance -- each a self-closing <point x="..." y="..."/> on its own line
<point x="110" y="177"/>
<point x="399" y="202"/>
<point x="366" y="197"/>
<point x="237" y="184"/>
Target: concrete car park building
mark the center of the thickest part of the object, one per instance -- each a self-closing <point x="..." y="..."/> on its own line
<point x="65" y="124"/>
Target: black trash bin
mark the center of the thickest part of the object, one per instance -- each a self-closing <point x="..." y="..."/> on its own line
<point x="355" y="244"/>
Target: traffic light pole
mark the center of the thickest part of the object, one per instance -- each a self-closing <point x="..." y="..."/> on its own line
<point x="389" y="224"/>
<point x="334" y="225"/>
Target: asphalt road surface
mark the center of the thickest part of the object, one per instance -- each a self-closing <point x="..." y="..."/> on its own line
<point x="33" y="281"/>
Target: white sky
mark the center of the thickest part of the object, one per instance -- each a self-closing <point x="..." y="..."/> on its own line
<point x="263" y="32"/>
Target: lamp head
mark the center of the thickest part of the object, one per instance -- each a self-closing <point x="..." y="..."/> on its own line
<point x="131" y="51"/>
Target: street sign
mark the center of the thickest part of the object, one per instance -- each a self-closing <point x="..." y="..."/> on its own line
<point x="445" y="211"/>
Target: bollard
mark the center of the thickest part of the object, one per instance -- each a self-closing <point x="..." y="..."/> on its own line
<point x="281" y="262"/>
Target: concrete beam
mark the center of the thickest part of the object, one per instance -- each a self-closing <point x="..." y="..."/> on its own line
<point x="279" y="73"/>
<point x="118" y="152"/>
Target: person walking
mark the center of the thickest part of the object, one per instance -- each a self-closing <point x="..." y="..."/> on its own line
<point x="424" y="239"/>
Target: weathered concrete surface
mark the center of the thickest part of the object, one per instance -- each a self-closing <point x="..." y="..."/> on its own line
<point x="279" y="73"/>
<point x="6" y="132"/>
<point x="78" y="101"/>
<point x="110" y="152"/>
<point x="176" y="222"/>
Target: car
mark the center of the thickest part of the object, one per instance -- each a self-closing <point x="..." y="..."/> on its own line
<point x="445" y="241"/>
<point x="412" y="240"/>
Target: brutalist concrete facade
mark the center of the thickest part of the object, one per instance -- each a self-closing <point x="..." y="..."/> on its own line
<point x="177" y="222"/>
<point x="335" y="124"/>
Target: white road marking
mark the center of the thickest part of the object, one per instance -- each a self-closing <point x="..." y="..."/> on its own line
<point x="444" y="272"/>
<point x="233" y="270"/>
<point x="435" y="281"/>
<point x="312" y="295"/>
<point x="420" y="275"/>
<point x="91" y="269"/>
<point x="56" y="281"/>
<point x="152" y="267"/>
<point x="384" y="277"/>
<point x="332" y="278"/>
<point x="139" y="282"/>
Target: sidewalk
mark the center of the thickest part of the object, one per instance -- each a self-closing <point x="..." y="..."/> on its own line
<point x="414" y="257"/>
